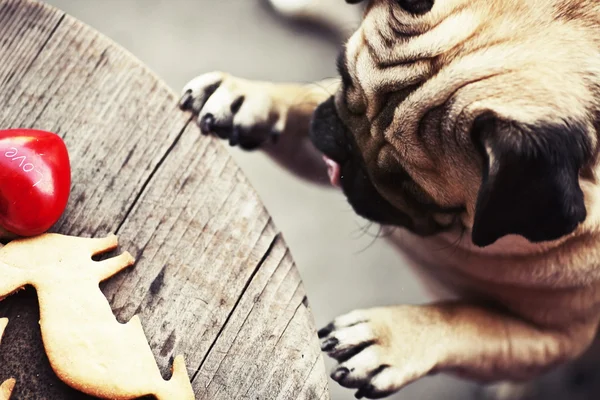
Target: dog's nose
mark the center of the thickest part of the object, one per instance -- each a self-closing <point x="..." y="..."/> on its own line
<point x="328" y="132"/>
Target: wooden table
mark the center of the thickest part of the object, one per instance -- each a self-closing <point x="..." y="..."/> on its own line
<point x="214" y="280"/>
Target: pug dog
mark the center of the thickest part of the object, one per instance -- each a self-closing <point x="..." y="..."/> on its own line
<point x="471" y="126"/>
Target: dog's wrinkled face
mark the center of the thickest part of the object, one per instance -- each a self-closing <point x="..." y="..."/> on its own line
<point x="482" y="113"/>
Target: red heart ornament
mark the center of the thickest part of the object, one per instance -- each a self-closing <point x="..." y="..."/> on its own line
<point x="35" y="180"/>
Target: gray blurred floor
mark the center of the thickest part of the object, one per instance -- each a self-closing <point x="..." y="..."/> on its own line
<point x="342" y="268"/>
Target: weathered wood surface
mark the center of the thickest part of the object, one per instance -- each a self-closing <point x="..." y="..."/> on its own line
<point x="213" y="279"/>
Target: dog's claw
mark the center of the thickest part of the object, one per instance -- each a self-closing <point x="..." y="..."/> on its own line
<point x="329" y="344"/>
<point x="340" y="373"/>
<point x="244" y="113"/>
<point x="207" y="124"/>
<point x="275" y="135"/>
<point x="324" y="332"/>
<point x="370" y="392"/>
<point x="359" y="394"/>
<point x="234" y="138"/>
<point x="186" y="101"/>
<point x="363" y="391"/>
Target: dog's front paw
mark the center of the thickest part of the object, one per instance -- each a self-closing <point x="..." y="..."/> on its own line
<point x="378" y="351"/>
<point x="240" y="111"/>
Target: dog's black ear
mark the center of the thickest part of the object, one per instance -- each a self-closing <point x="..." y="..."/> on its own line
<point x="530" y="185"/>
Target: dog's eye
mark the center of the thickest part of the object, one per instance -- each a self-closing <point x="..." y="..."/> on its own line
<point x="416" y="6"/>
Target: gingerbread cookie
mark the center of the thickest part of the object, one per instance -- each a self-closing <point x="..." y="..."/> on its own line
<point x="87" y="347"/>
<point x="7" y="387"/>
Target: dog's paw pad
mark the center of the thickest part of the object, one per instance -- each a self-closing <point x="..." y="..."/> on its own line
<point x="376" y="354"/>
<point x="371" y="379"/>
<point x="360" y="369"/>
<point x="363" y="361"/>
<point x="198" y="91"/>
<point x="379" y="389"/>
<point x="343" y="343"/>
<point x="240" y="111"/>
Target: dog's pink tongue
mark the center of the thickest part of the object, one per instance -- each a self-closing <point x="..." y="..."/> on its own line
<point x="334" y="171"/>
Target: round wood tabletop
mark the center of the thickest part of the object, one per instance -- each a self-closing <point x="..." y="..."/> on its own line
<point x="213" y="279"/>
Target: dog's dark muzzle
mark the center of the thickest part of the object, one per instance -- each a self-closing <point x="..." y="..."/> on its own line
<point x="328" y="133"/>
<point x="331" y="137"/>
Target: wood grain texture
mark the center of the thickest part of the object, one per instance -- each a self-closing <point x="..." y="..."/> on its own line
<point x="213" y="279"/>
